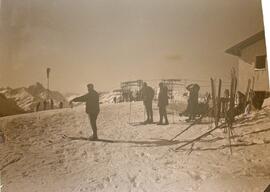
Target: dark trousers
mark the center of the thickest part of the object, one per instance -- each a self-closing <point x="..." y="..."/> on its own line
<point x="192" y="107"/>
<point x="93" y="122"/>
<point x="163" y="113"/>
<point x="149" y="110"/>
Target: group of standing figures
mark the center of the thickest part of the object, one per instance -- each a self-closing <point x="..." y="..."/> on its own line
<point x="163" y="100"/>
<point x="48" y="105"/>
<point x="92" y="105"/>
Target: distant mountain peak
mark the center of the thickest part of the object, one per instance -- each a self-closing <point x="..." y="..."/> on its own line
<point x="28" y="98"/>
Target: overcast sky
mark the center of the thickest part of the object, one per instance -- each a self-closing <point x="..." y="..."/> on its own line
<point x="106" y="42"/>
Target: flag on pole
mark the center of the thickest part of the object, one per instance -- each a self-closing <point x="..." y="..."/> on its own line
<point x="48" y="72"/>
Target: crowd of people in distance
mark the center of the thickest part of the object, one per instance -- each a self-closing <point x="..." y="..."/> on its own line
<point x="48" y="104"/>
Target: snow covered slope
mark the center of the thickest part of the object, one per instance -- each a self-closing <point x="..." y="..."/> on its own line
<point x="48" y="151"/>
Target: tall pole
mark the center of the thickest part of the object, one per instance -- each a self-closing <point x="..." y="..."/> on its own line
<point x="48" y="81"/>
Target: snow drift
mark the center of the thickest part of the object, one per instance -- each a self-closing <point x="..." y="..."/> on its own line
<point x="50" y="151"/>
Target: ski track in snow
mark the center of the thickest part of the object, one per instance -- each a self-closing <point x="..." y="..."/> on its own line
<point x="48" y="151"/>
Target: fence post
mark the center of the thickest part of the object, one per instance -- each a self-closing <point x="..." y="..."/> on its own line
<point x="214" y="100"/>
<point x="218" y="102"/>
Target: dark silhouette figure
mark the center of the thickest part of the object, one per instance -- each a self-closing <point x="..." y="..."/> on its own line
<point x="130" y="96"/>
<point x="240" y="108"/>
<point x="44" y="105"/>
<point x="193" y="100"/>
<point x="52" y="104"/>
<point x="125" y="96"/>
<point x="148" y="96"/>
<point x="37" y="106"/>
<point x="258" y="98"/>
<point x="163" y="101"/>
<point x="92" y="107"/>
<point x="114" y="99"/>
<point x="225" y="102"/>
<point x="138" y="97"/>
<point x="61" y="104"/>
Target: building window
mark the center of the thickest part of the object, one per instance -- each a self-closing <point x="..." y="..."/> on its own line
<point x="260" y="62"/>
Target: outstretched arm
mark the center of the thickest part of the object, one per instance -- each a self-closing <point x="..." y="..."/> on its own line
<point x="79" y="99"/>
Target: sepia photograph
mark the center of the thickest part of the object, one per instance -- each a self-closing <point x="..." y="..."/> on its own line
<point x="134" y="96"/>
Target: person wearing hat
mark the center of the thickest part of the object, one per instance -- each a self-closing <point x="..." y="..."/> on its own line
<point x="92" y="107"/>
<point x="193" y="101"/>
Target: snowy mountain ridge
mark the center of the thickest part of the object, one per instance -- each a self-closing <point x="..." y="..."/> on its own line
<point x="28" y="98"/>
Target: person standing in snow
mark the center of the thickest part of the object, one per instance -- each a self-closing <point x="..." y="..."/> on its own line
<point x="37" y="106"/>
<point x="148" y="96"/>
<point x="44" y="105"/>
<point x="61" y="104"/>
<point x="92" y="107"/>
<point x="193" y="100"/>
<point x="163" y="101"/>
<point x="52" y="104"/>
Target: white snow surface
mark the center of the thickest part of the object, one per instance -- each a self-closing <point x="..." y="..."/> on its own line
<point x="40" y="156"/>
<point x="109" y="97"/>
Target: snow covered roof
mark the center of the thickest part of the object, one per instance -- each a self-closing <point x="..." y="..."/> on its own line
<point x="236" y="49"/>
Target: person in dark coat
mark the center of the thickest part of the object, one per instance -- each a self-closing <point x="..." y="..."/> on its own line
<point x="148" y="94"/>
<point x="61" y="104"/>
<point x="163" y="101"/>
<point x="92" y="107"/>
<point x="52" y="104"/>
<point x="37" y="106"/>
<point x="225" y="102"/>
<point x="193" y="100"/>
<point x="44" y="105"/>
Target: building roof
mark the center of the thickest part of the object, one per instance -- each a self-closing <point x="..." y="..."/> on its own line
<point x="236" y="49"/>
